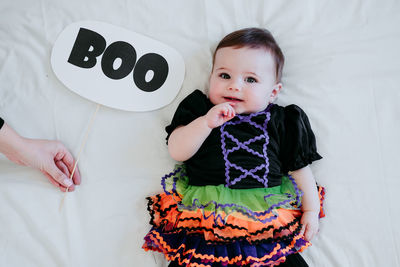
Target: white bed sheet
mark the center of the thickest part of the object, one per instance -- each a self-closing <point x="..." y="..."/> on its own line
<point x="342" y="67"/>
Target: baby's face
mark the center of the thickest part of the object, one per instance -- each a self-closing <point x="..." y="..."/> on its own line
<point x="244" y="77"/>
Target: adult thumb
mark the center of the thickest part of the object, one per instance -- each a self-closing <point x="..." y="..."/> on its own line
<point x="58" y="175"/>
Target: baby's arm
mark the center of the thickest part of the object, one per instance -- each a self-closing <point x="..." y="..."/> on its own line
<point x="186" y="140"/>
<point x="310" y="201"/>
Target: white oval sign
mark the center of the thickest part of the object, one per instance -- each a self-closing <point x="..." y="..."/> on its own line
<point x="116" y="67"/>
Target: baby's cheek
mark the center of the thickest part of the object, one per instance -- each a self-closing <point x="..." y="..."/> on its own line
<point x="260" y="104"/>
<point x="213" y="98"/>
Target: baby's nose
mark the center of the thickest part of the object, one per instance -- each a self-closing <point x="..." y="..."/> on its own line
<point x="235" y="86"/>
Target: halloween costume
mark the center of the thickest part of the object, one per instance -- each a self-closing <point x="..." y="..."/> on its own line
<point x="233" y="202"/>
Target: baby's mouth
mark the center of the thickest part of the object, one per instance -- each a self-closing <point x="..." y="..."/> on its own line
<point x="232" y="99"/>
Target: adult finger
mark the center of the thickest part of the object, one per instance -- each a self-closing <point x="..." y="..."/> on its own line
<point x="68" y="160"/>
<point x="57" y="174"/>
<point x="68" y="189"/>
<point x="61" y="165"/>
<point x="55" y="183"/>
<point x="65" y="170"/>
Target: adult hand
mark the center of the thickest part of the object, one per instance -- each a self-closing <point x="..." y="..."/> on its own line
<point x="52" y="158"/>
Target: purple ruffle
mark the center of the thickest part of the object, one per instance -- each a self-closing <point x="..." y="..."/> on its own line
<point x="196" y="250"/>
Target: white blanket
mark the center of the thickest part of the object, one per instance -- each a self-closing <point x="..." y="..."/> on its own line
<point x="342" y="67"/>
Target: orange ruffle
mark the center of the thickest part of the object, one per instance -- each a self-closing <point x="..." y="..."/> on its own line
<point x="165" y="212"/>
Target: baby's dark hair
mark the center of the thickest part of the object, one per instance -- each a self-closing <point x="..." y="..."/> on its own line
<point x="255" y="38"/>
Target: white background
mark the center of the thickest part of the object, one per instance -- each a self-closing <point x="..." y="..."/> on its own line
<point x="342" y="67"/>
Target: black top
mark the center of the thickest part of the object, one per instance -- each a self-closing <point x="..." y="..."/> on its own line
<point x="288" y="139"/>
<point x="1" y="122"/>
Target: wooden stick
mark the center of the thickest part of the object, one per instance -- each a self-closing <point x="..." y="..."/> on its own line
<point x="80" y="151"/>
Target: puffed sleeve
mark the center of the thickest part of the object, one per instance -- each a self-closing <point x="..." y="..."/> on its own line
<point x="193" y="106"/>
<point x="298" y="147"/>
<point x="1" y="122"/>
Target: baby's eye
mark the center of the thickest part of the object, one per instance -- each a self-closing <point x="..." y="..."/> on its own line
<point x="250" y="80"/>
<point x="224" y="76"/>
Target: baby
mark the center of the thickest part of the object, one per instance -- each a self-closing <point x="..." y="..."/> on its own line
<point x="245" y="194"/>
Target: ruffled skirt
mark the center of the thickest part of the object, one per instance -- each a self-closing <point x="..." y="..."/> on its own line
<point x="219" y="226"/>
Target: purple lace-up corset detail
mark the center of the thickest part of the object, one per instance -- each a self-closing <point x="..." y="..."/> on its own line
<point x="253" y="172"/>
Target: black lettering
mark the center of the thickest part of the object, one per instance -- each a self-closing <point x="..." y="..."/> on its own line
<point x="153" y="62"/>
<point x="125" y="52"/>
<point x="81" y="54"/>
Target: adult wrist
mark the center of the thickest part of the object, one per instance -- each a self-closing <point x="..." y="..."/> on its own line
<point x="1" y="123"/>
<point x="11" y="143"/>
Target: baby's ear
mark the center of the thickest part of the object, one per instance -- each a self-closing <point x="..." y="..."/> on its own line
<point x="275" y="91"/>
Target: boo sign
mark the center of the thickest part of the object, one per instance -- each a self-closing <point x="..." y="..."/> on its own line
<point x="116" y="67"/>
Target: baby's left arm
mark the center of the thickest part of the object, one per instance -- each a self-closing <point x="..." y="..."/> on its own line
<point x="310" y="201"/>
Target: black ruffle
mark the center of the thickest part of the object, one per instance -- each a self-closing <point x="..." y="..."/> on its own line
<point x="299" y="147"/>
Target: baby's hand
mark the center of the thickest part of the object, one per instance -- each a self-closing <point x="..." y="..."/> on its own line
<point x="310" y="222"/>
<point x="219" y="114"/>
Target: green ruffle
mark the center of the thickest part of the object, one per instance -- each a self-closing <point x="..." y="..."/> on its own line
<point x="254" y="199"/>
